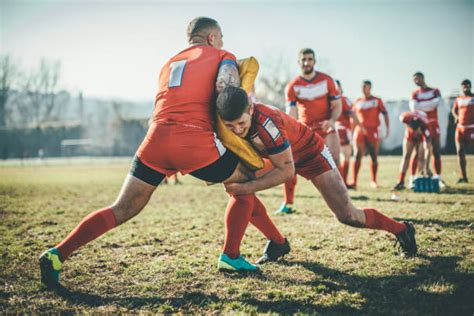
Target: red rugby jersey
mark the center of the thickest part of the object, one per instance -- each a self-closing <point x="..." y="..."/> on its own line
<point x="312" y="97"/>
<point x="186" y="88"/>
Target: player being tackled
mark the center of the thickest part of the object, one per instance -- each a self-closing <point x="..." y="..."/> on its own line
<point x="292" y="148"/>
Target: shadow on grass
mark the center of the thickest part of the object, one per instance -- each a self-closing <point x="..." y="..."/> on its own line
<point x="458" y="224"/>
<point x="434" y="287"/>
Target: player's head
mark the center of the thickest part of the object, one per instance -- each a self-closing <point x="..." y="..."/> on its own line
<point x="366" y="87"/>
<point x="466" y="87"/>
<point x="414" y="124"/>
<point x="306" y="59"/>
<point x="339" y="86"/>
<point x="203" y="30"/>
<point x="235" y="109"/>
<point x="419" y="79"/>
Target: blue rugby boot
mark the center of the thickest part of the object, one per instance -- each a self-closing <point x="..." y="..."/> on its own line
<point x="238" y="264"/>
<point x="50" y="267"/>
<point x="286" y="209"/>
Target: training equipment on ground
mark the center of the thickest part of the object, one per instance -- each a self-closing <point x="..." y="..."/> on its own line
<point x="426" y="184"/>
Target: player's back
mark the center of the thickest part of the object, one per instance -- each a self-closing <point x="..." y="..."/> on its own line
<point x="186" y="88"/>
<point x="275" y="127"/>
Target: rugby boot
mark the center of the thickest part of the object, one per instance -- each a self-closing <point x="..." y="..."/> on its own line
<point x="274" y="251"/>
<point x="238" y="264"/>
<point x="286" y="209"/>
<point x="407" y="240"/>
<point x="50" y="267"/>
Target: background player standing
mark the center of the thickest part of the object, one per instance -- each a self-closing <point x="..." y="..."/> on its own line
<point x="428" y="100"/>
<point x="344" y="125"/>
<point x="313" y="99"/>
<point x="463" y="112"/>
<point x="367" y="135"/>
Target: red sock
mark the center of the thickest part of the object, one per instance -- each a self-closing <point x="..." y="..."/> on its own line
<point x="92" y="226"/>
<point x="414" y="165"/>
<point x="290" y="190"/>
<point x="401" y="177"/>
<point x="373" y="171"/>
<point x="264" y="224"/>
<point x="376" y="220"/>
<point x="237" y="216"/>
<point x="345" y="170"/>
<point x="356" y="167"/>
<point x="437" y="164"/>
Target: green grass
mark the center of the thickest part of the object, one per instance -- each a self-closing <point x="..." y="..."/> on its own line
<point x="163" y="260"/>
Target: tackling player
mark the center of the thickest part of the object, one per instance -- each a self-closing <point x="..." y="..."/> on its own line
<point x="367" y="135"/>
<point x="186" y="90"/>
<point x="416" y="134"/>
<point x="314" y="100"/>
<point x="463" y="112"/>
<point x="293" y="148"/>
<point x="428" y="100"/>
<point x="344" y="130"/>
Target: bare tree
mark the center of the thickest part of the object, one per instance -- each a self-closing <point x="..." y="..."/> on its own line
<point x="8" y="75"/>
<point x="41" y="88"/>
<point x="275" y="73"/>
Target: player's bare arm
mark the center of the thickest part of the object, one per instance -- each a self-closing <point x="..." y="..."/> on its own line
<point x="336" y="110"/>
<point x="283" y="170"/>
<point x="292" y="111"/>
<point x="228" y="75"/>
<point x="356" y="121"/>
<point x="387" y="124"/>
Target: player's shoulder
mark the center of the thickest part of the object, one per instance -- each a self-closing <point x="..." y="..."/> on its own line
<point x="296" y="80"/>
<point x="264" y="111"/>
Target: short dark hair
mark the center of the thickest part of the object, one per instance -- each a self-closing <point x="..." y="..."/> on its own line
<point x="419" y="74"/>
<point x="465" y="82"/>
<point x="414" y="124"/>
<point x="368" y="82"/>
<point x="200" y="25"/>
<point x="232" y="103"/>
<point x="306" y="50"/>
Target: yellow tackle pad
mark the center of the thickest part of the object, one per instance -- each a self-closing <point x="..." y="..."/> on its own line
<point x="248" y="70"/>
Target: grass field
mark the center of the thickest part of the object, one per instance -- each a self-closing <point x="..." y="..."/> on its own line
<point x="164" y="259"/>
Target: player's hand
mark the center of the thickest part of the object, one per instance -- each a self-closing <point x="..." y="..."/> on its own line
<point x="327" y="125"/>
<point x="237" y="188"/>
<point x="364" y="131"/>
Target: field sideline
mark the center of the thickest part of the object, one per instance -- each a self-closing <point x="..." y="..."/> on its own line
<point x="164" y="259"/>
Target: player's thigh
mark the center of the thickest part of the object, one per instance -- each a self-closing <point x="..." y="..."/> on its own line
<point x="436" y="145"/>
<point x="334" y="191"/>
<point x="332" y="141"/>
<point x="133" y="197"/>
<point x="373" y="149"/>
<point x="346" y="151"/>
<point x="226" y="169"/>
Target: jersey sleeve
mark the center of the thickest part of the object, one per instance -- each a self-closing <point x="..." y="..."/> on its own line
<point x="333" y="91"/>
<point x="228" y="58"/>
<point x="273" y="134"/>
<point x="290" y="94"/>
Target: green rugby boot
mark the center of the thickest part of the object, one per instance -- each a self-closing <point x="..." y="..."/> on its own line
<point x="50" y="267"/>
<point x="238" y="264"/>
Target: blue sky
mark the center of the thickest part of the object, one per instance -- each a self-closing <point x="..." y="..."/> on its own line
<point x="116" y="48"/>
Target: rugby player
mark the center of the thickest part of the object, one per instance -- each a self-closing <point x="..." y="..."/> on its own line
<point x="293" y="147"/>
<point x="417" y="134"/>
<point x="428" y="100"/>
<point x="463" y="112"/>
<point x="179" y="139"/>
<point x="367" y="135"/>
<point x="314" y="100"/>
<point x="344" y="125"/>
